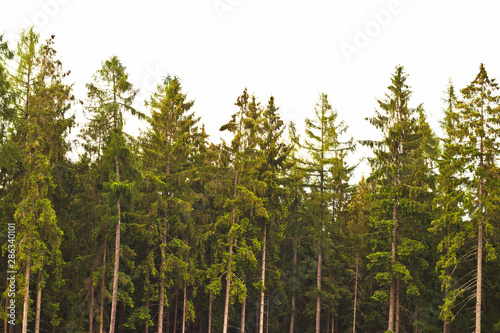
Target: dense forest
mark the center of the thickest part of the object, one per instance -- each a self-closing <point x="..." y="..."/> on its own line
<point x="266" y="232"/>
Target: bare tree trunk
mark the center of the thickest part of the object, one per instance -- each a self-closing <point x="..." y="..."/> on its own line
<point x="184" y="306"/>
<point x="355" y="294"/>
<point x="116" y="271"/>
<point x="103" y="290"/>
<point x="243" y="311"/>
<point x="263" y="279"/>
<point x="38" y="302"/>
<point x="392" y="289"/>
<point x="479" y="278"/>
<point x="230" y="261"/>
<point x="26" y="294"/>
<point x="228" y="286"/>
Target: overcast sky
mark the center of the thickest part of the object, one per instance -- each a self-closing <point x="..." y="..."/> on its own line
<point x="291" y="49"/>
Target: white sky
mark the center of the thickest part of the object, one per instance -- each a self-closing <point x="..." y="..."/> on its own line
<point x="290" y="49"/>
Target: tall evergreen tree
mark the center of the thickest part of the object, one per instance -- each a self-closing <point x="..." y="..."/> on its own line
<point x="245" y="200"/>
<point x="324" y="162"/>
<point x="43" y="125"/>
<point x="402" y="189"/>
<point x="479" y="133"/>
<point x="109" y="95"/>
<point x="169" y="154"/>
<point x="450" y="202"/>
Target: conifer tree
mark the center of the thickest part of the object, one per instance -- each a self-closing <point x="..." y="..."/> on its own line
<point x="400" y="172"/>
<point x="42" y="124"/>
<point x="245" y="200"/>
<point x="450" y="206"/>
<point x="109" y="95"/>
<point x="479" y="133"/>
<point x="169" y="154"/>
<point x="325" y="149"/>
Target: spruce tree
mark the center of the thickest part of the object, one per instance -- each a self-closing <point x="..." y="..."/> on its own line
<point x="109" y="96"/>
<point x="169" y="154"/>
<point x="479" y="133"/>
<point x="325" y="160"/>
<point x="42" y="124"/>
<point x="402" y="190"/>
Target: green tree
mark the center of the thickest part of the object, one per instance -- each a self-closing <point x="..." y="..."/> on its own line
<point x="169" y="158"/>
<point x="402" y="190"/>
<point x="324" y="166"/>
<point x="478" y="133"/>
<point x="245" y="200"/>
<point x="450" y="202"/>
<point x="43" y="125"/>
<point x="109" y="95"/>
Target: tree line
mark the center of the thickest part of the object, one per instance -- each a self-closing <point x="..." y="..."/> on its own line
<point x="169" y="232"/>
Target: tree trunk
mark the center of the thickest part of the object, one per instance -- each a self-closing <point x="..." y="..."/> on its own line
<point x="318" y="284"/>
<point x="26" y="294"/>
<point x="161" y="304"/>
<point x="243" y="311"/>
<point x="184" y="306"/>
<point x="103" y="286"/>
<point x="117" y="256"/>
<point x="479" y="278"/>
<point x="228" y="286"/>
<point x="355" y="294"/>
<point x="263" y="279"/>
<point x="229" y="272"/>
<point x="392" y="289"/>
<point x="38" y="302"/>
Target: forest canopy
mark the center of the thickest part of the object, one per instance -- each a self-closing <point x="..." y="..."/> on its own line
<point x="166" y="231"/>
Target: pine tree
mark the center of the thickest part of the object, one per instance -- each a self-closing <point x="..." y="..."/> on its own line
<point x="450" y="202"/>
<point x="271" y="171"/>
<point x="478" y="133"/>
<point x="245" y="200"/>
<point x="43" y="125"/>
<point x="403" y="186"/>
<point x="109" y="95"/>
<point x="169" y="148"/>
<point x="325" y="150"/>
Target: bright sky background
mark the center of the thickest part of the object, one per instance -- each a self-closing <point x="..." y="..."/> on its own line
<point x="291" y="49"/>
